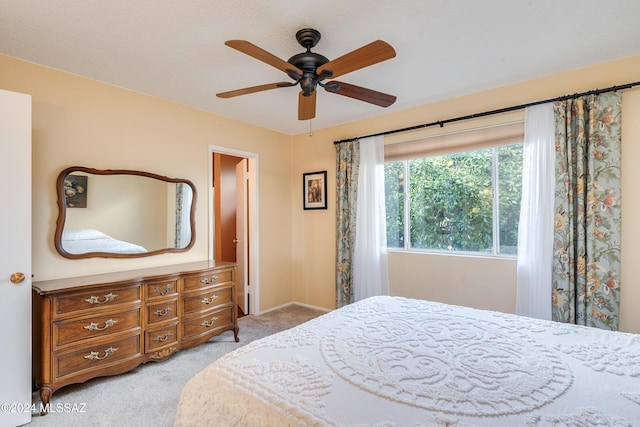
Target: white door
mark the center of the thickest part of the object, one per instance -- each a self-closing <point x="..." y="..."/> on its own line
<point x="242" y="244"/>
<point x="15" y="258"/>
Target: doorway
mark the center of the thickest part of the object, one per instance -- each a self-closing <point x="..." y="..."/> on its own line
<point x="233" y="219"/>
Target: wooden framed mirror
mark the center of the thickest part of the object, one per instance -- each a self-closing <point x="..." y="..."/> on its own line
<point x="123" y="213"/>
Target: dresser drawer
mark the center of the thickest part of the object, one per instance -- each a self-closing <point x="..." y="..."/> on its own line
<point x="158" y="338"/>
<point x="70" y="331"/>
<point x="213" y="277"/>
<point x="211" y="298"/>
<point x="94" y="299"/>
<point x="160" y="289"/>
<point x="162" y="311"/>
<point x="209" y="323"/>
<point x="96" y="357"/>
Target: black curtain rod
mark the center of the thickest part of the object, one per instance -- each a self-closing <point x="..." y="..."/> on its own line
<point x="441" y="123"/>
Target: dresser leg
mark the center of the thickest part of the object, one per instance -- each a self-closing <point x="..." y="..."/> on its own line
<point x="45" y="396"/>
<point x="235" y="334"/>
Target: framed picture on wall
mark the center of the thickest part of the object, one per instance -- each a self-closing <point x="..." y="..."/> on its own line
<point x="75" y="191"/>
<point x="314" y="190"/>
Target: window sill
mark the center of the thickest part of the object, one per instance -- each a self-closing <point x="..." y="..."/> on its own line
<point x="453" y="254"/>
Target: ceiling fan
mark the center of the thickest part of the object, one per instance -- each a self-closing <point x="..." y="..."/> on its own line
<point x="310" y="69"/>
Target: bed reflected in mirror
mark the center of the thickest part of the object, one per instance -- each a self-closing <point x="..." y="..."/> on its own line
<point x="123" y="213"/>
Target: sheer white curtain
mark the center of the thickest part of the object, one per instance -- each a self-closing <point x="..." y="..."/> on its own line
<point x="535" y="232"/>
<point x="370" y="271"/>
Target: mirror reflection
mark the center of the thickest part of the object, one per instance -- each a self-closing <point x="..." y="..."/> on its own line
<point x="121" y="213"/>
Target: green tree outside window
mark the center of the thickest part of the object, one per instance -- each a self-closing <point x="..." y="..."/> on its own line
<point x="450" y="201"/>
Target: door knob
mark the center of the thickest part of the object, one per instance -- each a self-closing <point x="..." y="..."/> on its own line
<point x="17" y="278"/>
<point x="235" y="240"/>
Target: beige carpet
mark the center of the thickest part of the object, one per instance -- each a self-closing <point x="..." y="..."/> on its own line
<point x="149" y="395"/>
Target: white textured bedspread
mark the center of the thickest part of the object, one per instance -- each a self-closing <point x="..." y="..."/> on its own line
<point x="390" y="361"/>
<point x="91" y="240"/>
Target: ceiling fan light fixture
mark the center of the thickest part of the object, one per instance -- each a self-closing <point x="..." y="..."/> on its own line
<point x="308" y="84"/>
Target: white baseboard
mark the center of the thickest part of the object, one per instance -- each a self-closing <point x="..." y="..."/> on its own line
<point x="326" y="310"/>
<point x="278" y="307"/>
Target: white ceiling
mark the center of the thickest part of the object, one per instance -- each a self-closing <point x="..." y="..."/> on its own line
<point x="174" y="49"/>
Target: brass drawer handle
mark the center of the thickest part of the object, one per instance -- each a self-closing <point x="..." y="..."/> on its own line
<point x="163" y="312"/>
<point x="206" y="280"/>
<point x="93" y="326"/>
<point x="94" y="355"/>
<point x="164" y="291"/>
<point x="96" y="300"/>
<point x="159" y="338"/>
<point x="209" y="323"/>
<point x="208" y="301"/>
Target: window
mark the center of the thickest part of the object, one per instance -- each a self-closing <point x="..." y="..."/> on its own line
<point x="464" y="201"/>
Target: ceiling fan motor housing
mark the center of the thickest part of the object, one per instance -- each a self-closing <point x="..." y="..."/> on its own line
<point x="308" y="61"/>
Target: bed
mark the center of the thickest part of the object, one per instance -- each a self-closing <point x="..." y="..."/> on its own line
<point x="90" y="240"/>
<point x="392" y="361"/>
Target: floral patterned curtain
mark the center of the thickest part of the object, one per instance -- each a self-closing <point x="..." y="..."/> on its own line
<point x="178" y="243"/>
<point x="347" y="169"/>
<point x="586" y="266"/>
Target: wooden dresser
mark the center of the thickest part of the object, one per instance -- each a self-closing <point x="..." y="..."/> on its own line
<point x="106" y="324"/>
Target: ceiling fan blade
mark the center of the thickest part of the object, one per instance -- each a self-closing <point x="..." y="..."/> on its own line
<point x="370" y="54"/>
<point x="361" y="93"/>
<point x="262" y="55"/>
<point x="307" y="106"/>
<point x="251" y="89"/>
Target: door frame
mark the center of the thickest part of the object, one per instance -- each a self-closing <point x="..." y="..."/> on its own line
<point x="254" y="265"/>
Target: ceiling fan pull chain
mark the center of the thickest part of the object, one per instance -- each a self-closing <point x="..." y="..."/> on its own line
<point x="310" y="129"/>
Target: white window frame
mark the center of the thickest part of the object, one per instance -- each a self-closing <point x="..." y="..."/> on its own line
<point x="509" y="132"/>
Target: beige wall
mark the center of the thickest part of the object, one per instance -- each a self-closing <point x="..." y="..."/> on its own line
<point x="78" y="121"/>
<point x="630" y="274"/>
<point x="479" y="282"/>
